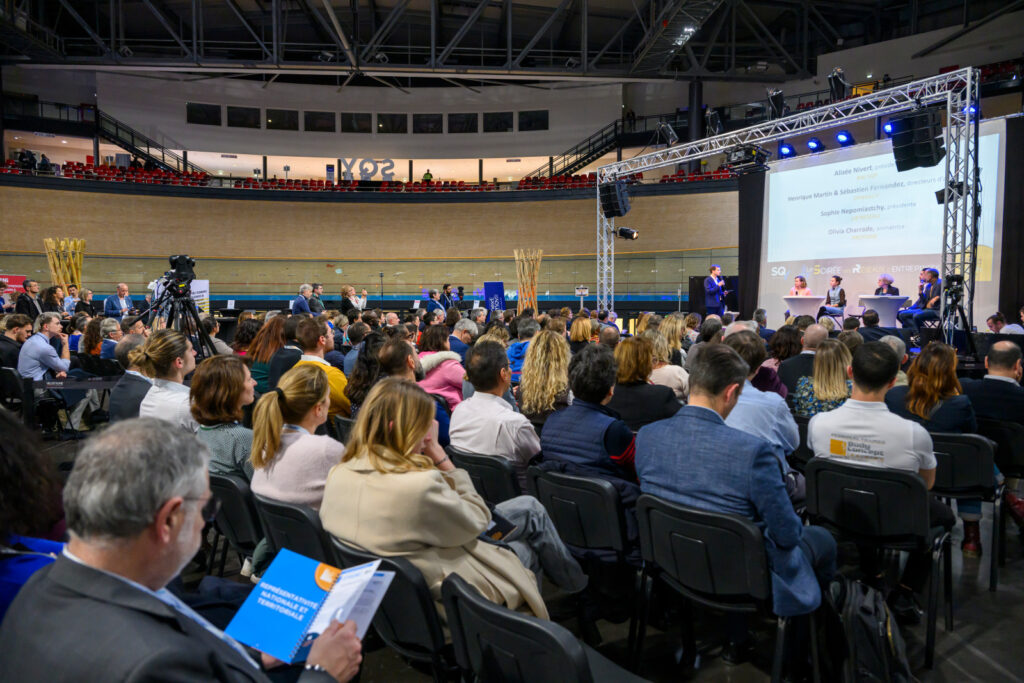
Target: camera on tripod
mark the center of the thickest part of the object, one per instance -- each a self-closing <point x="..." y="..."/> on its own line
<point x="954" y="288"/>
<point x="179" y="278"/>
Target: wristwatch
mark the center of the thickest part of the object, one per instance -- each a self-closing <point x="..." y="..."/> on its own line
<point x="316" y="668"/>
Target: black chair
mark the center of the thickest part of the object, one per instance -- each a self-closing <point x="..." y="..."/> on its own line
<point x="407" y="618"/>
<point x="495" y="643"/>
<point x="966" y="470"/>
<point x="799" y="458"/>
<point x="1009" y="438"/>
<point x="887" y="509"/>
<point x="493" y="476"/>
<point x="237" y="521"/>
<point x="713" y="559"/>
<point x="342" y="428"/>
<point x="295" y="527"/>
<point x="12" y="390"/>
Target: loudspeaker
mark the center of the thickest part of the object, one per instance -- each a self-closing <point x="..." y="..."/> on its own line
<point x="614" y="199"/>
<point x="917" y="139"/>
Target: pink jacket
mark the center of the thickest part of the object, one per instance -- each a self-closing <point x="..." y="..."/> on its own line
<point x="444" y="375"/>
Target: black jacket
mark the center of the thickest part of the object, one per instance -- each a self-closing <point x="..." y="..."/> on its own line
<point x="893" y="291"/>
<point x="995" y="399"/>
<point x="792" y="369"/>
<point x="27" y="305"/>
<point x="127" y="395"/>
<point x="641" y="403"/>
<point x="9" y="350"/>
<point x="86" y="307"/>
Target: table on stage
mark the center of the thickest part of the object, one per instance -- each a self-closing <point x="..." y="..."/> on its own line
<point x="804" y="305"/>
<point x="886" y="305"/>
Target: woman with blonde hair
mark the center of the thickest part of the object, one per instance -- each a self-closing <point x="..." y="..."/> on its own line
<point x="830" y="385"/>
<point x="635" y="399"/>
<point x="167" y="357"/>
<point x="673" y="330"/>
<point x="664" y="372"/>
<point x="289" y="460"/>
<point x="544" y="384"/>
<point x="641" y="323"/>
<point x="827" y="322"/>
<point x="396" y="493"/>
<point x="579" y="334"/>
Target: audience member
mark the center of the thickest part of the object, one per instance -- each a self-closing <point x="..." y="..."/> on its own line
<point x="17" y="329"/>
<point x="871" y="331"/>
<point x="636" y="400"/>
<point x="399" y="359"/>
<point x="484" y="423"/>
<point x="92" y="339"/>
<point x="671" y="464"/>
<point x="220" y="347"/>
<point x="463" y="334"/>
<point x="39" y="359"/>
<point x="366" y="371"/>
<point x="245" y="332"/>
<point x="371" y="318"/>
<point x="7" y="303"/>
<point x="851" y="324"/>
<point x="53" y="301"/>
<point x="784" y="344"/>
<point x="356" y="332"/>
<point x="126" y="396"/>
<point x="899" y="347"/>
<point x="663" y="371"/>
<point x="110" y="331"/>
<point x="863" y="431"/>
<point x="435" y="517"/>
<point x="316" y="305"/>
<point x="999" y="396"/>
<point x="885" y="286"/>
<point x="221" y="388"/>
<point x="300" y="304"/>
<point x="692" y="323"/>
<point x="802" y="365"/>
<point x="350" y="303"/>
<point x="579" y="334"/>
<point x="761" y="318"/>
<point x="434" y="302"/>
<point x="315" y="340"/>
<point x="672" y="329"/>
<point x="850" y="339"/>
<point x="517" y="350"/>
<point x="802" y="322"/>
<point x="120" y="304"/>
<point x="479" y="316"/>
<point x="926" y="307"/>
<point x="290" y="461"/>
<point x="828" y="387"/>
<point x="285" y="358"/>
<point x="933" y="396"/>
<point x="167" y="357"/>
<point x="85" y="305"/>
<point x="71" y="300"/>
<point x="544" y="383"/>
<point x="28" y="303"/>
<point x="710" y="333"/>
<point x="444" y="371"/>
<point x="828" y="323"/>
<point x="136" y="324"/>
<point x="261" y="350"/>
<point x="78" y="325"/>
<point x="105" y="598"/>
<point x="609" y="337"/>
<point x="997" y="325"/>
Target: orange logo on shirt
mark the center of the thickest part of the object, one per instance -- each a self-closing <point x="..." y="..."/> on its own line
<point x="837" y="447"/>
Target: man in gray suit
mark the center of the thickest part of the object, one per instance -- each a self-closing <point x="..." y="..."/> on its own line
<point x="136" y="503"/>
<point x="131" y="388"/>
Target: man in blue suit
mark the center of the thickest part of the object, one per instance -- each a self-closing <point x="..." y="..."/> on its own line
<point x="301" y="302"/>
<point x="118" y="305"/>
<point x="927" y="305"/>
<point x="694" y="459"/>
<point x="714" y="295"/>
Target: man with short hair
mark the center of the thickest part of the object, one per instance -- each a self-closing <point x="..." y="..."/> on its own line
<point x="135" y="325"/>
<point x="462" y="337"/>
<point x="871" y="331"/>
<point x="714" y="292"/>
<point x="899" y="347"/>
<point x="110" y="331"/>
<point x="315" y="340"/>
<point x="391" y="318"/>
<point x="851" y="324"/>
<point x="38" y="360"/>
<point x="862" y="431"/>
<point x="517" y="350"/>
<point x="356" y="333"/>
<point x="479" y="316"/>
<point x="484" y="423"/>
<point x="103" y="604"/>
<point x="17" y="329"/>
<point x="609" y="337"/>
<point x="802" y="364"/>
<point x="212" y="328"/>
<point x="926" y="308"/>
<point x="433" y="302"/>
<point x="998" y="395"/>
<point x="743" y="477"/>
<point x="120" y="304"/>
<point x="131" y="387"/>
<point x="300" y="304"/>
<point x="761" y="318"/>
<point x="316" y="306"/>
<point x="997" y="325"/>
<point x="28" y="303"/>
<point x="371" y="319"/>
<point x="447" y="299"/>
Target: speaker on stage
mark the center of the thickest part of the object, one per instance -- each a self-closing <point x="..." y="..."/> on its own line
<point x="696" y="292"/>
<point x="917" y="139"/>
<point x="614" y="199"/>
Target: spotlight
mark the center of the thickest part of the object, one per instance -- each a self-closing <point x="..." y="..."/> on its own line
<point x="627" y="233"/>
<point x="667" y="133"/>
<point x="815" y="145"/>
<point x="887" y="127"/>
<point x="786" y="150"/>
<point x="712" y="122"/>
<point x="845" y="139"/>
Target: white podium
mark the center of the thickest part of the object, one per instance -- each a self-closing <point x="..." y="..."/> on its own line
<point x="804" y="305"/>
<point x="886" y="305"/>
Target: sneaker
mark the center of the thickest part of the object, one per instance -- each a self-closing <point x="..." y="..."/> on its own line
<point x="971" y="545"/>
<point x="247" y="568"/>
<point x="904" y="607"/>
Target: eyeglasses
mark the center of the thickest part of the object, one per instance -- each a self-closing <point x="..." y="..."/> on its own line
<point x="210" y="508"/>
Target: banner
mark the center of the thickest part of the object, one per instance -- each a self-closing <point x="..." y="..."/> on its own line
<point x="494" y="295"/>
<point x="13" y="282"/>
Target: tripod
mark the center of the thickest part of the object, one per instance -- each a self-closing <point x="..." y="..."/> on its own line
<point x="954" y="314"/>
<point x="175" y="305"/>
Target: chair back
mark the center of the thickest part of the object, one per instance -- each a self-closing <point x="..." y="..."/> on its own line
<point x="342" y="428"/>
<point x="295" y="527"/>
<point x="714" y="558"/>
<point x="799" y="458"/>
<point x="1009" y="438"/>
<point x="12" y="389"/>
<point x="498" y="644"/>
<point x="965" y="465"/>
<point x="493" y="476"/>
<point x="586" y="511"/>
<point x="238" y="518"/>
<point x="407" y="619"/>
<point x="873" y="504"/>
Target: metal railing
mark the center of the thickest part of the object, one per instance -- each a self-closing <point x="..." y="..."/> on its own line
<point x="134" y="141"/>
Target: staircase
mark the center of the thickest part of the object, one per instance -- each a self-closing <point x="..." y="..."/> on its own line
<point x="147" y="149"/>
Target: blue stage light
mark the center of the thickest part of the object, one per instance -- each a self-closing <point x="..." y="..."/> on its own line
<point x="845" y="139"/>
<point x="815" y="145"/>
<point x="887" y="128"/>
<point x="786" y="150"/>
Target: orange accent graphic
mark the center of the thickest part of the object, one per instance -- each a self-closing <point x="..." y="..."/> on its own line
<point x="326" y="575"/>
<point x="836" y="447"/>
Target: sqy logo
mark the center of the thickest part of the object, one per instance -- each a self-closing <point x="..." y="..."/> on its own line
<point x="855" y="269"/>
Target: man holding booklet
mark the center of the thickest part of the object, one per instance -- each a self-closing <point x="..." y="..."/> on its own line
<point x="136" y="503"/>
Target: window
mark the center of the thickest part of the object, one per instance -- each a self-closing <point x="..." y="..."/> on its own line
<point x="498" y="122"/>
<point x="463" y="123"/>
<point x="243" y="117"/>
<point x="356" y="123"/>
<point x="202" y="114"/>
<point x="282" y="119"/>
<point x="320" y="121"/>
<point x="392" y="123"/>
<point x="427" y="123"/>
<point x="533" y="120"/>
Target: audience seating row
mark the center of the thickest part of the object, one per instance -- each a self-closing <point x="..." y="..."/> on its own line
<point x="307" y="185"/>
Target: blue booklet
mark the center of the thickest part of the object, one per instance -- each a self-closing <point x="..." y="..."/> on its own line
<point x="297" y="599"/>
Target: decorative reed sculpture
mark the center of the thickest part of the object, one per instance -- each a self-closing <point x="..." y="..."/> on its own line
<point x="527" y="269"/>
<point x="64" y="256"/>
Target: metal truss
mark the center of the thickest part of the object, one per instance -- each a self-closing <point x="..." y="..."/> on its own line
<point x="605" y="260"/>
<point x="957" y="89"/>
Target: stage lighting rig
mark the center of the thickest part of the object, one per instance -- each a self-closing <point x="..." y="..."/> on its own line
<point x="627" y="233"/>
<point x="745" y="160"/>
<point x="786" y="150"/>
<point x="776" y="103"/>
<point x="837" y="86"/>
<point x="845" y="138"/>
<point x="667" y="133"/>
<point x="815" y="145"/>
<point x="712" y="122"/>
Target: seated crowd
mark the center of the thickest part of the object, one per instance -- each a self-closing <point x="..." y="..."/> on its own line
<point x="359" y="415"/>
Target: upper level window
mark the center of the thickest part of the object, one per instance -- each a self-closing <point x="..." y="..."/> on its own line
<point x="392" y="123"/>
<point x="282" y="119"/>
<point x="320" y="121"/>
<point x="427" y="123"/>
<point x="203" y="114"/>
<point x="243" y="117"/>
<point x="498" y="122"/>
<point x="533" y="120"/>
<point x="463" y="123"/>
<point x="356" y="123"/>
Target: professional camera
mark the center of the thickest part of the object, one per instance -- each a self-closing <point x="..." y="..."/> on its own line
<point x="954" y="288"/>
<point x="181" y="274"/>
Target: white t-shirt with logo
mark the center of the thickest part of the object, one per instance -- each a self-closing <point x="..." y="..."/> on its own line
<point x="866" y="433"/>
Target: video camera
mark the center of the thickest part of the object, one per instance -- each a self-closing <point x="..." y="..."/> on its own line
<point x="180" y="276"/>
<point x="954" y="288"/>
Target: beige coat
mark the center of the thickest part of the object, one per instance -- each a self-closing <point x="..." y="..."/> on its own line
<point x="432" y="518"/>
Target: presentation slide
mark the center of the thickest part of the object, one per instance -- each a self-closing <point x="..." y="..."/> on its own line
<point x="848" y="212"/>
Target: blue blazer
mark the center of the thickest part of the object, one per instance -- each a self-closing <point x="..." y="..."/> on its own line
<point x="740" y="476"/>
<point x="458" y="346"/>
<point x="112" y="306"/>
<point x="300" y="305"/>
<point x="712" y="292"/>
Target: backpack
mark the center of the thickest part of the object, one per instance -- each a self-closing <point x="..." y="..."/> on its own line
<point x="861" y="635"/>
